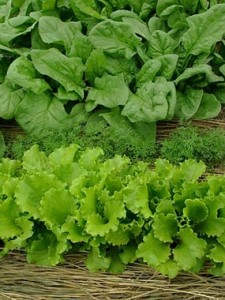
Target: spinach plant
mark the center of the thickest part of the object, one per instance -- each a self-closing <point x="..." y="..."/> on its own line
<point x="131" y="63"/>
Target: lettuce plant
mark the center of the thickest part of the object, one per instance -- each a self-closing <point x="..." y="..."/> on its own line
<point x="132" y="63"/>
<point x="117" y="212"/>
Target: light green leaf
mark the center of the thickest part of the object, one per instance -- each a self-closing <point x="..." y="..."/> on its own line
<point x="209" y="108"/>
<point x="195" y="210"/>
<point x="188" y="103"/>
<point x="213" y="225"/>
<point x="56" y="206"/>
<point x="109" y="91"/>
<point x="67" y="71"/>
<point x="31" y="189"/>
<point x="75" y="233"/>
<point x="153" y="251"/>
<point x="22" y="72"/>
<point x="189" y="249"/>
<point x="10" y="97"/>
<point x="217" y="255"/>
<point x="205" y="29"/>
<point x="63" y="155"/>
<point x="10" y="216"/>
<point x="154" y="101"/>
<point x="113" y="210"/>
<point x="115" y="38"/>
<point x="192" y="170"/>
<point x="36" y="113"/>
<point x="136" y="198"/>
<point x="119" y="237"/>
<point x="35" y="160"/>
<point x="165" y="226"/>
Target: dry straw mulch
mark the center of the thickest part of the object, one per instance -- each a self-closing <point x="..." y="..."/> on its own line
<point x="71" y="280"/>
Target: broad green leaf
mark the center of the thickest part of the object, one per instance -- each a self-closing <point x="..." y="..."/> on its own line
<point x="165" y="226"/>
<point x="85" y="8"/>
<point x="148" y="72"/>
<point x="154" y="101"/>
<point x="195" y="210"/>
<point x="95" y="65"/>
<point x="56" y="206"/>
<point x="22" y="73"/>
<point x="63" y="95"/>
<point x="31" y="189"/>
<point x="15" y="27"/>
<point x="164" y="4"/>
<point x="10" y="97"/>
<point x="205" y="29"/>
<point x="136" y="198"/>
<point x="115" y="38"/>
<point x="139" y="27"/>
<point x="168" y="65"/>
<point x="209" y="108"/>
<point x="109" y="91"/>
<point x="38" y="112"/>
<point x="118" y="65"/>
<point x="67" y="71"/>
<point x="160" y="44"/>
<point x="153" y="251"/>
<point x="188" y="103"/>
<point x="53" y="31"/>
<point x="156" y="23"/>
<point x="189" y="249"/>
<point x="200" y="73"/>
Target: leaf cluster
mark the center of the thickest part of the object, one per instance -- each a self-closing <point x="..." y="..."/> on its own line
<point x="74" y="200"/>
<point x="134" y="63"/>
